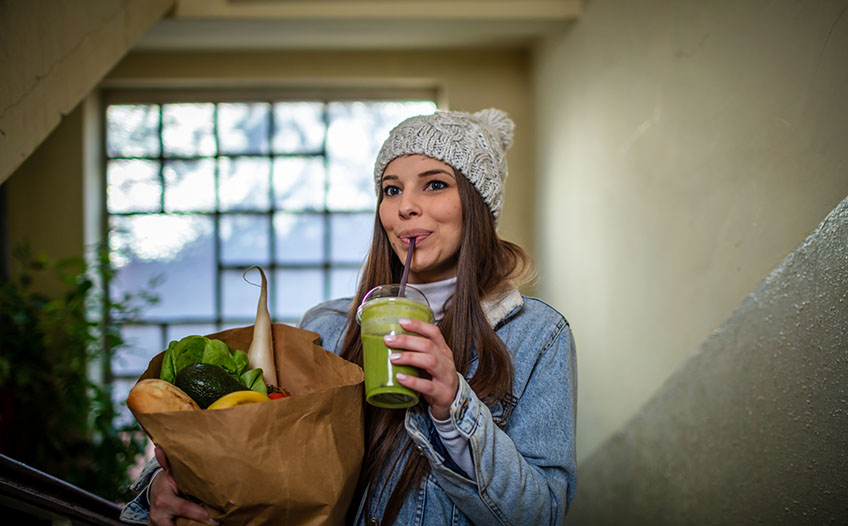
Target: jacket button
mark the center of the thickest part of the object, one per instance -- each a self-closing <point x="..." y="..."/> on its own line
<point x="420" y="450"/>
<point x="373" y="522"/>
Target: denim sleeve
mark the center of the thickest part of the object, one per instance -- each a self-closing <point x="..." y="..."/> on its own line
<point x="449" y="451"/>
<point x="137" y="511"/>
<point x="526" y="474"/>
<point x="455" y="447"/>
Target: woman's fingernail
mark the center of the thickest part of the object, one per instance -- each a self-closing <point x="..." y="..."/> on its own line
<point x="394" y="356"/>
<point x="400" y="376"/>
<point x="404" y="321"/>
<point x="213" y="522"/>
<point x="389" y="338"/>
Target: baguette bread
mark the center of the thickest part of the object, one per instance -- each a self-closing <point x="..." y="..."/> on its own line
<point x="159" y="396"/>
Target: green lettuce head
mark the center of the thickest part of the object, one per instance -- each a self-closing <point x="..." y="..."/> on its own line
<point x="199" y="349"/>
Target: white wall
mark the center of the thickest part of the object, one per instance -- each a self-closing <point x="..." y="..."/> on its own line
<point x="685" y="148"/>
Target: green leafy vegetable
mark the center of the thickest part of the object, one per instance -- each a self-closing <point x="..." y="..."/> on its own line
<point x="199" y="349"/>
<point x="253" y="380"/>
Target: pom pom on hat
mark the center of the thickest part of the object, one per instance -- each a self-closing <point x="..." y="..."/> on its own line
<point x="498" y="120"/>
<point x="474" y="144"/>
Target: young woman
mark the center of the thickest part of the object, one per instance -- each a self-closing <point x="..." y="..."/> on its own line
<point x="492" y="442"/>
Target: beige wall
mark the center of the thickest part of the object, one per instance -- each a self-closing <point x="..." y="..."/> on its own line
<point x="53" y="52"/>
<point x="45" y="195"/>
<point x="684" y="149"/>
<point x="753" y="429"/>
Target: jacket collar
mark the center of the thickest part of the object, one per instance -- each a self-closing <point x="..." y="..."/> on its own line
<point x="499" y="305"/>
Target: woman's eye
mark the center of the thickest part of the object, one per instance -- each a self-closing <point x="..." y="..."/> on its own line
<point x="390" y="191"/>
<point x="436" y="185"/>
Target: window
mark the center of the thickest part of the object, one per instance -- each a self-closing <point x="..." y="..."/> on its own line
<point x="196" y="192"/>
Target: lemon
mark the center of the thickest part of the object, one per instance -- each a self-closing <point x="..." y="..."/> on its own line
<point x="238" y="398"/>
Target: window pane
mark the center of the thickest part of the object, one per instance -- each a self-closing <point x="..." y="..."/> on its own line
<point x="187" y="130"/>
<point x="244" y="183"/>
<point x="239" y="297"/>
<point x="178" y="332"/>
<point x="350" y="237"/>
<point x="120" y="391"/>
<point x="133" y="186"/>
<point x="142" y="342"/>
<point x="299" y="183"/>
<point x="299" y="127"/>
<point x="190" y="186"/>
<point x="243" y="128"/>
<point x="351" y="187"/>
<point x="132" y="130"/>
<point x="356" y="132"/>
<point x="351" y="148"/>
<point x="343" y="282"/>
<point x="299" y="238"/>
<point x="245" y="239"/>
<point x="297" y="291"/>
<point x="179" y="250"/>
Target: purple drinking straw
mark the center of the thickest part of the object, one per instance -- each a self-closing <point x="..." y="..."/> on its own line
<point x="405" y="274"/>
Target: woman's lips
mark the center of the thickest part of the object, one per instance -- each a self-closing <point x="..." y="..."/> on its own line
<point x="406" y="235"/>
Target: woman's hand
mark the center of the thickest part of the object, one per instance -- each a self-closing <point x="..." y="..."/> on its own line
<point x="427" y="350"/>
<point x="165" y="501"/>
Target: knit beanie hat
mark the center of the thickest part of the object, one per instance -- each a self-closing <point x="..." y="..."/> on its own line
<point x="474" y="144"/>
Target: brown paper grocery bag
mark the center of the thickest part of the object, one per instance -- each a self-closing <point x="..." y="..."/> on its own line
<point x="289" y="461"/>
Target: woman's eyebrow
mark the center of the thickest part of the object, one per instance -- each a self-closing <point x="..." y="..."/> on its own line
<point x="428" y="173"/>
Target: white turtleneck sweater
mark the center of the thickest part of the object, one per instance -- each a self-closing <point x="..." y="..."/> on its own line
<point x="438" y="293"/>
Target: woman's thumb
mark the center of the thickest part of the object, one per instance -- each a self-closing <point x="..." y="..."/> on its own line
<point x="161" y="458"/>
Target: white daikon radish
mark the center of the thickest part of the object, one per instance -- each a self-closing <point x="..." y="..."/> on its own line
<point x="261" y="352"/>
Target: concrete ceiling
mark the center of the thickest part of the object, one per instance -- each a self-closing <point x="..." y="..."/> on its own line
<point x="207" y="25"/>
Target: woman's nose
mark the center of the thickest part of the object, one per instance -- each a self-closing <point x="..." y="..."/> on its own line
<point x="409" y="206"/>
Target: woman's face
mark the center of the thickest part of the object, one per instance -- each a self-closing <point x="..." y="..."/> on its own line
<point x="421" y="200"/>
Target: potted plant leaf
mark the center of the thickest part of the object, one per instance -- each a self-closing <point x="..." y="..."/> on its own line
<point x="55" y="417"/>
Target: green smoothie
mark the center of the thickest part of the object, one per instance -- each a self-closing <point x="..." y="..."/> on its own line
<point x="378" y="315"/>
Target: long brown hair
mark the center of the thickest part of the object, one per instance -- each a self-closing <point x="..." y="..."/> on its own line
<point x="485" y="263"/>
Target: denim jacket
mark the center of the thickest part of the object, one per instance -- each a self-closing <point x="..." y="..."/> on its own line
<point x="522" y="447"/>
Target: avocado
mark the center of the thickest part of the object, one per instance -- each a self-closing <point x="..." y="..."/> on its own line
<point x="205" y="383"/>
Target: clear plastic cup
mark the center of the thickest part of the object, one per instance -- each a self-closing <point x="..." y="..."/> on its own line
<point x="378" y="316"/>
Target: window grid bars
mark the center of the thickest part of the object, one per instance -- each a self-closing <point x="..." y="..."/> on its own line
<point x="325" y="265"/>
